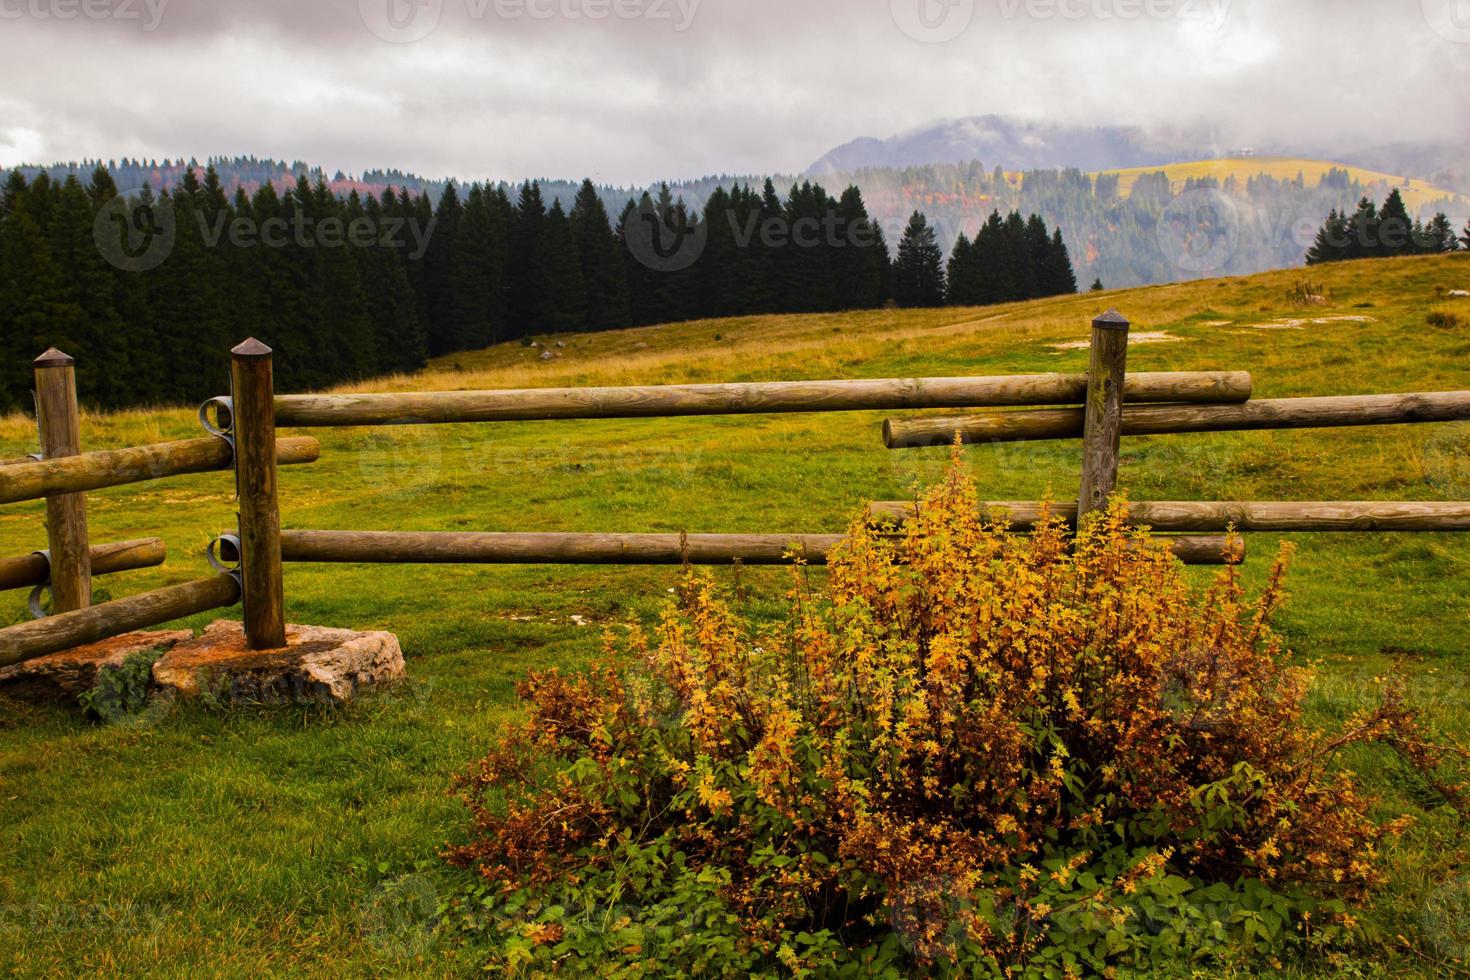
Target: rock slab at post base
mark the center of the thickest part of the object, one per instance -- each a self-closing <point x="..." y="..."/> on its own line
<point x="317" y="664"/>
<point x="67" y="675"/>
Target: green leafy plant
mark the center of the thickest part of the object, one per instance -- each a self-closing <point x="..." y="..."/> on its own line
<point x="122" y="692"/>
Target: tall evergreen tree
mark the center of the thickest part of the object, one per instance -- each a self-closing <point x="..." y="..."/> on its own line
<point x="604" y="277"/>
<point x="474" y="276"/>
<point x="398" y="337"/>
<point x="918" y="273"/>
<point x="964" y="281"/>
<point x="33" y="296"/>
<point x="1439" y="236"/>
<point x="446" y="327"/>
<point x="858" y="261"/>
<point x="1332" y="240"/>
<point x="1363" y="240"/>
<point x="527" y="230"/>
<point x="1061" y="279"/>
<point x="561" y="302"/>
<point x="1395" y="229"/>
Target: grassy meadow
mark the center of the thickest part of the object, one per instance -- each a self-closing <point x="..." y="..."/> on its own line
<point x="282" y="840"/>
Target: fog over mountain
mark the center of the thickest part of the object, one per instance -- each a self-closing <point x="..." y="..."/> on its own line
<point x="1022" y="144"/>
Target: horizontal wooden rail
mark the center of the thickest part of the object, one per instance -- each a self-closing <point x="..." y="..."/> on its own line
<point x="31" y="570"/>
<point x="468" y="548"/>
<point x="66" y="630"/>
<point x="540" y="404"/>
<point x="118" y="467"/>
<point x="391" y="547"/>
<point x="1277" y="413"/>
<point x="1220" y="516"/>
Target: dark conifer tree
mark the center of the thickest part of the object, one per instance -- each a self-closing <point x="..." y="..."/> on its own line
<point x="1061" y="279"/>
<point x="527" y="231"/>
<point x="398" y="337"/>
<point x="997" y="259"/>
<point x="1332" y="240"/>
<point x="1395" y="229"/>
<point x="33" y="295"/>
<point x="1363" y="240"/>
<point x="860" y="256"/>
<point x="1097" y="286"/>
<point x="1439" y="236"/>
<point x="918" y="273"/>
<point x="474" y="276"/>
<point x="963" y="275"/>
<point x="604" y="278"/>
<point x="561" y="302"/>
<point x="446" y="327"/>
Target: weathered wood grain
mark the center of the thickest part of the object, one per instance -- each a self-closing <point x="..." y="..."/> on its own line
<point x="60" y="424"/>
<point x="1103" y="412"/>
<point x="1219" y="516"/>
<point x="260" y="510"/>
<point x="1145" y="420"/>
<point x="511" y="548"/>
<point x="66" y="630"/>
<point x="118" y="467"/>
<point x="28" y="571"/>
<point x="540" y="404"/>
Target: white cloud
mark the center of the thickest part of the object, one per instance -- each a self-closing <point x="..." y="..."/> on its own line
<point x="750" y="86"/>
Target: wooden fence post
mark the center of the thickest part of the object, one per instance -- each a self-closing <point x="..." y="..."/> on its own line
<point x="59" y="422"/>
<point x="260" y="516"/>
<point x="1104" y="426"/>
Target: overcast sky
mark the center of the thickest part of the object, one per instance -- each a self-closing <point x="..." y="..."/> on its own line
<point x="628" y="91"/>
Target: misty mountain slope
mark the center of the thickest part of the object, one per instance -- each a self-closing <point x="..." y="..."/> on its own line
<point x="1020" y="144"/>
<point x="1017" y="144"/>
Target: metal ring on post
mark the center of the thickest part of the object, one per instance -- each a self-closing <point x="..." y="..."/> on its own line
<point x="228" y="404"/>
<point x="39" y="457"/>
<point x="34" y="601"/>
<point x="216" y="560"/>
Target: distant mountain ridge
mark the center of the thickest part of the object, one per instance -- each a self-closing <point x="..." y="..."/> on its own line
<point x="1021" y="144"/>
<point x="1018" y="144"/>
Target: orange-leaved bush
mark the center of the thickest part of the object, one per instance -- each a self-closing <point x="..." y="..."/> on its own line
<point x="973" y="748"/>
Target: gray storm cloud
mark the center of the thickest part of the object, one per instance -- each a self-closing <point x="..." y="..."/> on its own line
<point x="635" y="90"/>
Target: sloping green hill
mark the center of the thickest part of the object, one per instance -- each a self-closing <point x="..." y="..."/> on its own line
<point x="262" y="841"/>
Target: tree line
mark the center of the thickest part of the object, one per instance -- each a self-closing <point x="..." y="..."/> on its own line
<point x="150" y="292"/>
<point x="1372" y="232"/>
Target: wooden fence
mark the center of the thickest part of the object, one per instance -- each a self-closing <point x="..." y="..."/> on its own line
<point x="1100" y="407"/>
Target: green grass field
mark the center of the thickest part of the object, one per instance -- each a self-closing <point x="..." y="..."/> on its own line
<point x="264" y="840"/>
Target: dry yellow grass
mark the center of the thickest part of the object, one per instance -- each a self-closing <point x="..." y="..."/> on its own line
<point x="1417" y="193"/>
